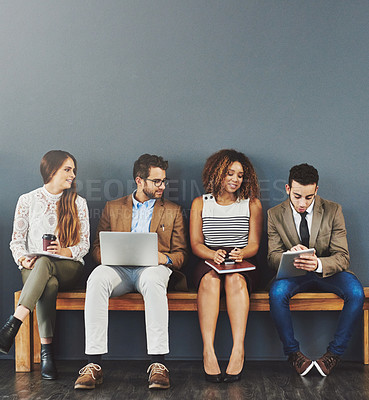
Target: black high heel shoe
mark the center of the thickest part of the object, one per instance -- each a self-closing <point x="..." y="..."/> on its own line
<point x="218" y="378"/>
<point x="229" y="378"/>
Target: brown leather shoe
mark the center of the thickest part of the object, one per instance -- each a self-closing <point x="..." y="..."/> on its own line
<point x="300" y="362"/>
<point x="326" y="363"/>
<point x="90" y="376"/>
<point x="159" y="376"/>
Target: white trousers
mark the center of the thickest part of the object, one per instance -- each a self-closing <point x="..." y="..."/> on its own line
<point x="107" y="281"/>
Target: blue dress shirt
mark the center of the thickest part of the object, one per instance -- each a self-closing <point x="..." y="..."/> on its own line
<point x="142" y="215"/>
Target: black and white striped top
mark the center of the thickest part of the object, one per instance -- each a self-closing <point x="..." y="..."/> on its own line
<point x="226" y="226"/>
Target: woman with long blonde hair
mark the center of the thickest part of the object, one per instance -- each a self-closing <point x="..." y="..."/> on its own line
<point x="57" y="212"/>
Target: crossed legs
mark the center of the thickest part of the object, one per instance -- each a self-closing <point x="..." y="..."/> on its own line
<point x="41" y="285"/>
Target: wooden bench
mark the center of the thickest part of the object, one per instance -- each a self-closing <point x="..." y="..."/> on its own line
<point x="27" y="343"/>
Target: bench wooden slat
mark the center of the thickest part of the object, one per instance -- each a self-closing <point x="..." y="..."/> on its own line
<point x="27" y="343"/>
<point x="187" y="301"/>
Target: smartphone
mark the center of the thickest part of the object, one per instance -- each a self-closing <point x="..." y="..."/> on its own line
<point x="228" y="261"/>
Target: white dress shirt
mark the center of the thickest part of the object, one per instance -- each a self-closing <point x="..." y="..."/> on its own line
<point x="309" y="220"/>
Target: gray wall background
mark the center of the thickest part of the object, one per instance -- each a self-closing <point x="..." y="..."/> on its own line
<point x="283" y="81"/>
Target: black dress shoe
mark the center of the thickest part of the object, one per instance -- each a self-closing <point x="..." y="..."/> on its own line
<point x="218" y="378"/>
<point x="48" y="368"/>
<point x="8" y="333"/>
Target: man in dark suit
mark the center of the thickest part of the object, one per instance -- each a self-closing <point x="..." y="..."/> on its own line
<point x="304" y="221"/>
<point x="145" y="210"/>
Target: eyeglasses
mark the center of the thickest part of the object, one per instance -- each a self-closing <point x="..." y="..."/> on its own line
<point x="158" y="182"/>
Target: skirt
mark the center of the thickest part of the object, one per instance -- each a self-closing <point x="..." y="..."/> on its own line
<point x="202" y="269"/>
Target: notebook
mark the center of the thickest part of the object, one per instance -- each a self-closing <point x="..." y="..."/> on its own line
<point x="230" y="268"/>
<point x="46" y="253"/>
<point x="129" y="248"/>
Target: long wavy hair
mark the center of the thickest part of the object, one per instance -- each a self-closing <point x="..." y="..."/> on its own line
<point x="216" y="169"/>
<point x="69" y="226"/>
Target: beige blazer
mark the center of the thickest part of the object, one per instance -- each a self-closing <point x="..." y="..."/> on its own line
<point x="327" y="236"/>
<point x="167" y="221"/>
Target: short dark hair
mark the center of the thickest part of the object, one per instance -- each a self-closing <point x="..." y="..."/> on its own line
<point x="142" y="166"/>
<point x="304" y="174"/>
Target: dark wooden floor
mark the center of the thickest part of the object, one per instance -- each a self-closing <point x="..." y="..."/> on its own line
<point x="127" y="380"/>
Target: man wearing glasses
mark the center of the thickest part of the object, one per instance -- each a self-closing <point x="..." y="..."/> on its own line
<point x="145" y="210"/>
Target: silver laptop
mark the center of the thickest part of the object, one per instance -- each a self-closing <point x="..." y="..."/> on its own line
<point x="129" y="248"/>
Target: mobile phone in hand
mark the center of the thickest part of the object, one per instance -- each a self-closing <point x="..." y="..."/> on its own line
<point x="228" y="261"/>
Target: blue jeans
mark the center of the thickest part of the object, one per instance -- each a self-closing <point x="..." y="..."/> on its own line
<point x="343" y="284"/>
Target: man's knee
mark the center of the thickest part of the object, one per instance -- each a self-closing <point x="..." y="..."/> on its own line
<point x="278" y="292"/>
<point x="352" y="289"/>
<point x="357" y="295"/>
<point x="98" y="279"/>
<point x="154" y="280"/>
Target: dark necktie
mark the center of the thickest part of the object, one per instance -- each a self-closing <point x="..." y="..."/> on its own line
<point x="304" y="231"/>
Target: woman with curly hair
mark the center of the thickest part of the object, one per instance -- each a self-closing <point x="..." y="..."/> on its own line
<point x="57" y="211"/>
<point x="225" y="222"/>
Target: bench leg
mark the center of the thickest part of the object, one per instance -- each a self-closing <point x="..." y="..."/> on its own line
<point x="366" y="336"/>
<point x="23" y="341"/>
<point x="36" y="340"/>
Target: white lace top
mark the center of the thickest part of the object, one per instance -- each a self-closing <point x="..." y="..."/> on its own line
<point x="35" y="215"/>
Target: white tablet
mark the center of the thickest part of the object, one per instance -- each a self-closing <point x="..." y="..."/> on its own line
<point x="286" y="268"/>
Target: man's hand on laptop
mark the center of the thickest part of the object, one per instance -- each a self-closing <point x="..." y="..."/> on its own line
<point x="162" y="258"/>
